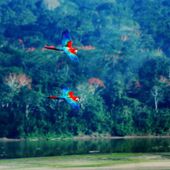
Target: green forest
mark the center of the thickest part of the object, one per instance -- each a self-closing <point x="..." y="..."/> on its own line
<point x="122" y="78"/>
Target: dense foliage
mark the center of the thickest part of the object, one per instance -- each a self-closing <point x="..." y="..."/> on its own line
<point x="123" y="77"/>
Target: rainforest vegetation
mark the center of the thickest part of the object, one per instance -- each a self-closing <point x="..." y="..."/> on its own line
<point x="123" y="77"/>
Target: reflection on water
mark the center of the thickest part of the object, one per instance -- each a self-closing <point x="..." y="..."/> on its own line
<point x="66" y="147"/>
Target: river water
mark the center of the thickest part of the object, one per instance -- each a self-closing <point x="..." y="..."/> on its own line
<point x="20" y="149"/>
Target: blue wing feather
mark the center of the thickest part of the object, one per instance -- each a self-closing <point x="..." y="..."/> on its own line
<point x="65" y="37"/>
<point x="74" y="104"/>
<point x="65" y="93"/>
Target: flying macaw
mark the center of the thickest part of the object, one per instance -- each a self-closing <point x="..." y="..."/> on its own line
<point x="69" y="97"/>
<point x="66" y="46"/>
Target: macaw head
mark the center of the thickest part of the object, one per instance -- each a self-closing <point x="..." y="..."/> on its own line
<point x="77" y="99"/>
<point x="75" y="50"/>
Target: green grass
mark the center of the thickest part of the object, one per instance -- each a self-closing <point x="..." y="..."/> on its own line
<point x="79" y="161"/>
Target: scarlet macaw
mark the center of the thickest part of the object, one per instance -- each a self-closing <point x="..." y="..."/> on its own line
<point x="69" y="97"/>
<point x="66" y="46"/>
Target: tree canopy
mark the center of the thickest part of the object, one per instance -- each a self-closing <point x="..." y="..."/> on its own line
<point x="123" y="77"/>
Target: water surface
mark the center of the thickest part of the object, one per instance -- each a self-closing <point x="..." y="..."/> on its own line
<point x="20" y="149"/>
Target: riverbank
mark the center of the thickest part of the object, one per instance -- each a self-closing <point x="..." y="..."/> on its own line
<point x="81" y="138"/>
<point x="118" y="161"/>
<point x="118" y="137"/>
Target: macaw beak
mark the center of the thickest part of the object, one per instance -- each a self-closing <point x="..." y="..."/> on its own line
<point x="78" y="99"/>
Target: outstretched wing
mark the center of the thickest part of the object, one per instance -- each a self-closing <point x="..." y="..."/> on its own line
<point x="66" y="39"/>
<point x="74" y="104"/>
<point x="65" y="92"/>
<point x="71" y="55"/>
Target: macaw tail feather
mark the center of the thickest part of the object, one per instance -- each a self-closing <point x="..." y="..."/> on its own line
<point x="52" y="97"/>
<point x="51" y="47"/>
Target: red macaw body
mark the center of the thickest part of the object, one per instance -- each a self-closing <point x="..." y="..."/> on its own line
<point x="73" y="97"/>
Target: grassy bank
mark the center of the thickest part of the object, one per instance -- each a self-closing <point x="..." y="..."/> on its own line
<point x="93" y="161"/>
